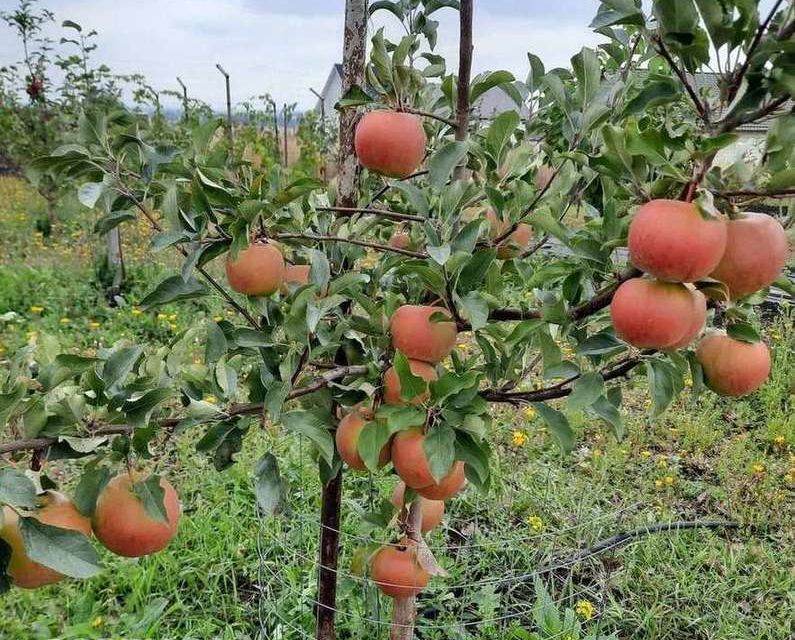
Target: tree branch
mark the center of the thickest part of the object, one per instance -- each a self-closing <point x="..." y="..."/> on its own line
<point x="599" y="301"/>
<point x="212" y="281"/>
<point x="465" y="48"/>
<point x="783" y="193"/>
<point x="701" y="107"/>
<point x="560" y="390"/>
<point x="359" y="243"/>
<point x="737" y="121"/>
<point x="168" y="423"/>
<point x="428" y="114"/>
<point x="388" y="186"/>
<point x="383" y="213"/>
<point x="739" y="74"/>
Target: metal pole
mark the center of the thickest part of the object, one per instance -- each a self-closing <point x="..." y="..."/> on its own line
<point x="229" y="126"/>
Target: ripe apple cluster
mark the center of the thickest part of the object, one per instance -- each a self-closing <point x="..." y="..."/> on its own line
<point x="120" y="523"/>
<point x="677" y="245"/>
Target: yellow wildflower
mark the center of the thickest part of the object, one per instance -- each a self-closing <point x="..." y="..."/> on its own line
<point x="758" y="468"/>
<point x="65" y="320"/>
<point x="645" y="453"/>
<point x="162" y="316"/>
<point x="585" y="609"/>
<point x="172" y="326"/>
<point x="211" y="399"/>
<point x="97" y="622"/>
<point x="217" y="318"/>
<point x="535" y="523"/>
<point x="136" y="311"/>
<point x="519" y="438"/>
<point x="597" y="453"/>
<point x="658" y="484"/>
<point x="669" y="480"/>
<point x="529" y="413"/>
<point x="662" y="463"/>
<point x="779" y="441"/>
<point x="172" y="317"/>
<point x="36" y="309"/>
<point x="93" y="324"/>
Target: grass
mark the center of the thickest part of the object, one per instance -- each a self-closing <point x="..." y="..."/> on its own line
<point x="231" y="575"/>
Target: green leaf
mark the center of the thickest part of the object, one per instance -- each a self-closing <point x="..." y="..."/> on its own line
<point x="91" y="484"/>
<point x="217" y="344"/>
<point x="394" y="7"/>
<point x="400" y="418"/>
<point x="320" y="270"/>
<point x="112" y="220"/>
<point x="152" y="497"/>
<point x="269" y="488"/>
<point x="474" y="272"/>
<point x="440" y="255"/>
<point x="588" y="72"/>
<point x="661" y="384"/>
<point x="67" y="552"/>
<point x="609" y="413"/>
<point x="411" y="386"/>
<point x="379" y="58"/>
<point x="275" y="397"/>
<point x="139" y="411"/>
<point x="415" y="196"/>
<point x="439" y="448"/>
<point x="782" y="180"/>
<point x="174" y="289"/>
<point x="475" y="453"/>
<point x="443" y="161"/>
<point x="314" y="426"/>
<point x="474" y="309"/>
<point x="558" y="426"/>
<point x="372" y="438"/>
<point x="599" y="344"/>
<point x="16" y="489"/>
<point x="89" y="193"/>
<point x="486" y="81"/>
<point x="119" y="365"/>
<point x="616" y="12"/>
<point x="663" y="90"/>
<point x="743" y="331"/>
<point x="587" y="389"/>
<point x="500" y="132"/>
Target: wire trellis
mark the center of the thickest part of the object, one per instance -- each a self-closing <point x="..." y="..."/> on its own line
<point x="470" y="605"/>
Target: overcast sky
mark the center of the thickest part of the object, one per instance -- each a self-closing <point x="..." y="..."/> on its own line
<point x="286" y="46"/>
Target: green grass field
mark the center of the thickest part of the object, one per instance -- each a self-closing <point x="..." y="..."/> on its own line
<point x="232" y="575"/>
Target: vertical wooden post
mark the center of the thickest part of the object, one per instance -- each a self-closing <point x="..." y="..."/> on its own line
<point x="354" y="46"/>
<point x="284" y="127"/>
<point x="404" y="611"/>
<point x="276" y="130"/>
<point x="184" y="99"/>
<point x="322" y="100"/>
<point x="229" y="127"/>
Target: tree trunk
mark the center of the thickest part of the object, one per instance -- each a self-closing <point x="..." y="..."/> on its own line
<point x="354" y="46"/>
<point x="329" y="555"/>
<point x="464" y="75"/>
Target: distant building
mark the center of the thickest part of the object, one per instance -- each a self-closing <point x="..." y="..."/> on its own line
<point x="495" y="101"/>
